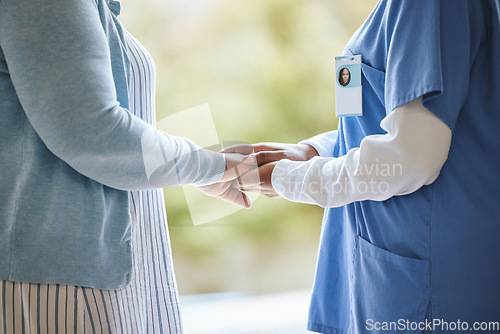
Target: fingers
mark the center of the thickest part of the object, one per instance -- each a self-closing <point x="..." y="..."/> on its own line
<point x="237" y="165"/>
<point x="235" y="196"/>
<point x="249" y="179"/>
<point x="229" y="192"/>
<point x="268" y="147"/>
<point x="244" y="149"/>
<point x="257" y="158"/>
<point x="258" y="190"/>
<point x="260" y="182"/>
<point x="264" y="152"/>
<point x="266" y="157"/>
<point x="246" y="199"/>
<point x="256" y="180"/>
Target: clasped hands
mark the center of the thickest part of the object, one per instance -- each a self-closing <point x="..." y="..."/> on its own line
<point x="250" y="167"/>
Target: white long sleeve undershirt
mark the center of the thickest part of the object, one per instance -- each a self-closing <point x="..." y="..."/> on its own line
<point x="409" y="156"/>
<point x="324" y="143"/>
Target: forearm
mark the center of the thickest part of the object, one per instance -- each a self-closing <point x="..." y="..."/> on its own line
<point x="409" y="156"/>
<point x="59" y="63"/>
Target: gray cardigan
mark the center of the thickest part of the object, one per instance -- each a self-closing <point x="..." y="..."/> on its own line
<point x="69" y="148"/>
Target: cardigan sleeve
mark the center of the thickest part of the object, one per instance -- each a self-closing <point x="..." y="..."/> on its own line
<point x="59" y="60"/>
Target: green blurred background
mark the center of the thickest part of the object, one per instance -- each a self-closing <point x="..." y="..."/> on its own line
<point x="267" y="70"/>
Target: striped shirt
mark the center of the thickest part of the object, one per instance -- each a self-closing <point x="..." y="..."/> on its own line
<point x="150" y="303"/>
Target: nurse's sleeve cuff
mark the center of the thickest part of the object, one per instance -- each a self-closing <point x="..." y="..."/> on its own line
<point x="324" y="143"/>
<point x="298" y="182"/>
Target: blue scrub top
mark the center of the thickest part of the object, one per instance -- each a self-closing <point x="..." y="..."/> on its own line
<point x="435" y="253"/>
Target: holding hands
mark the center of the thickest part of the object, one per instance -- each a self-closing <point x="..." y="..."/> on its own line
<point x="250" y="167"/>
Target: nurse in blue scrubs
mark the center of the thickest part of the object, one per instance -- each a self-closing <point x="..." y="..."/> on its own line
<point x="411" y="234"/>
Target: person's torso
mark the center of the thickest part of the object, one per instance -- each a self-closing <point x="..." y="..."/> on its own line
<point x="390" y="260"/>
<point x="56" y="225"/>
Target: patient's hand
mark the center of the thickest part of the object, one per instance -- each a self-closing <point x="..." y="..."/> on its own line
<point x="263" y="185"/>
<point x="270" y="152"/>
<point x="228" y="189"/>
<point x="266" y="156"/>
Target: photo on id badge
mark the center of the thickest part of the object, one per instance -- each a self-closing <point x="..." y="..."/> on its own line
<point x="348" y="91"/>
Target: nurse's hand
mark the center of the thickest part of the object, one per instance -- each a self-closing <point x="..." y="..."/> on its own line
<point x="263" y="185"/>
<point x="228" y="189"/>
<point x="270" y="152"/>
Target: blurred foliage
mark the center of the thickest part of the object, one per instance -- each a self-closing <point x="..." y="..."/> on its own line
<point x="266" y="69"/>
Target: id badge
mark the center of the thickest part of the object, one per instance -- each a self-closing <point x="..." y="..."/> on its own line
<point x="348" y="93"/>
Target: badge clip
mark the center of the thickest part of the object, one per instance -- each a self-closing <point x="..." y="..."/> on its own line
<point x="348" y="90"/>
